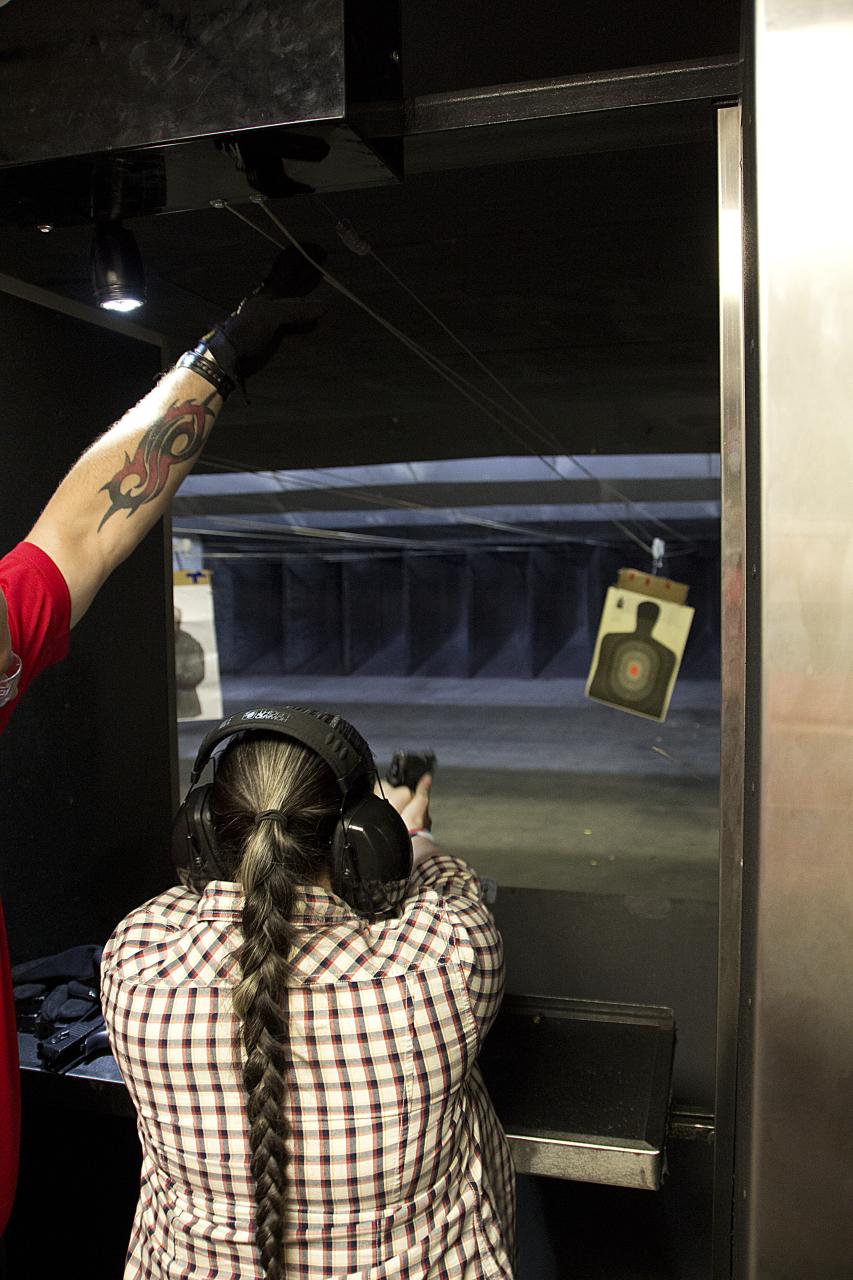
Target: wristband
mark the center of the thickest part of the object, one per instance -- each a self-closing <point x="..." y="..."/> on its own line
<point x="204" y="364"/>
<point x="9" y="682"/>
<point x="422" y="831"/>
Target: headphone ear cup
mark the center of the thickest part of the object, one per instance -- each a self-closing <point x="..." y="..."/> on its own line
<point x="194" y="848"/>
<point x="346" y="882"/>
<point x="371" y="856"/>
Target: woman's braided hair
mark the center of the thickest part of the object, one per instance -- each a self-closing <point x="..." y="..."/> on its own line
<point x="270" y="859"/>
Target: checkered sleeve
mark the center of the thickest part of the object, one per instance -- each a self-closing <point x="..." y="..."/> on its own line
<point x="478" y="943"/>
<point x="142" y="937"/>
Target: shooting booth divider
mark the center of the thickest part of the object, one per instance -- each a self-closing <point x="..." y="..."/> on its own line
<point x="88" y="762"/>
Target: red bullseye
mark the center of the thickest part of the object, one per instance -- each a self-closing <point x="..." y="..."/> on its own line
<point x="633" y="670"/>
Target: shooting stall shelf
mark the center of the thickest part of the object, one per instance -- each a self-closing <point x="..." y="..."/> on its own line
<point x="91" y="1086"/>
<point x="582" y="1087"/>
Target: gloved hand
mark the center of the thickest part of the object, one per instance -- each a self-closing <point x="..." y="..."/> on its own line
<point x="243" y="342"/>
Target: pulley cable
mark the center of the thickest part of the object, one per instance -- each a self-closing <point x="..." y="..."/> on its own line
<point x="462" y="384"/>
<point x="403" y="504"/>
<point x="469" y="390"/>
<point x="356" y="243"/>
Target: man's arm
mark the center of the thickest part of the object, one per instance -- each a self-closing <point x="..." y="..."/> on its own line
<point x="123" y="483"/>
<point x="5" y="638"/>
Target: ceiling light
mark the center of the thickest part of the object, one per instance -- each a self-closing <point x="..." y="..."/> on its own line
<point x="121" y="304"/>
<point x="118" y="279"/>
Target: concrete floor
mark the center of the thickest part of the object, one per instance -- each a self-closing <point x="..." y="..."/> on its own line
<point x="537" y="786"/>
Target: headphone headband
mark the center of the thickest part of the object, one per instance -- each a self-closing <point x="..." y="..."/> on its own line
<point x="370" y="848"/>
<point x="346" y="759"/>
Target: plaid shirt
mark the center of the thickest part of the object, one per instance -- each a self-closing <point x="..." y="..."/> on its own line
<point x="398" y="1167"/>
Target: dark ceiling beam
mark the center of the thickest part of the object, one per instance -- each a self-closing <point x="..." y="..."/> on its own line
<point x="713" y="80"/>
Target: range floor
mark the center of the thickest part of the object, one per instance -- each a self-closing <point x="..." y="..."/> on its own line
<point x="537" y="786"/>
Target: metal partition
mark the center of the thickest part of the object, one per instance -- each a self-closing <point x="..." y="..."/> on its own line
<point x="88" y="767"/>
<point x="733" y="662"/>
<point x="794" y="1175"/>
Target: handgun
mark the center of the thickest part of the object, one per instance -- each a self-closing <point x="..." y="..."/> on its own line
<point x="408" y="767"/>
<point x="74" y="1044"/>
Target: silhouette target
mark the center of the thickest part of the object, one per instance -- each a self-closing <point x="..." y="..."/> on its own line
<point x="633" y="669"/>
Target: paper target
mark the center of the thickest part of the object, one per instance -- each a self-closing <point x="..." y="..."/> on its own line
<point x="197" y="684"/>
<point x="638" y="652"/>
<point x="635" y="671"/>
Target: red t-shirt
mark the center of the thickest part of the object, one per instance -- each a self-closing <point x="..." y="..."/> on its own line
<point x="39" y="610"/>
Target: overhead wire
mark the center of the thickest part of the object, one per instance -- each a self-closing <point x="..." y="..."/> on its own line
<point x="494" y="410"/>
<point x="380" y="547"/>
<point x="351" y="238"/>
<point x="359" y="494"/>
<point x="497" y="413"/>
<point x="357" y="244"/>
<point x="385" y="501"/>
<point x="468" y="389"/>
<point x="231" y="467"/>
<point x="243" y="528"/>
<point x="254" y="529"/>
<point x="281" y="535"/>
<point x="485" y="403"/>
<point x="257" y="530"/>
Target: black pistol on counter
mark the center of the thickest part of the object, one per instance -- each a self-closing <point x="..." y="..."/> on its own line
<point x="74" y="1044"/>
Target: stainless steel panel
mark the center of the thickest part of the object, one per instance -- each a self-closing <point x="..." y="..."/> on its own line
<point x="733" y="663"/>
<point x="795" y="1180"/>
<point x="638" y="1166"/>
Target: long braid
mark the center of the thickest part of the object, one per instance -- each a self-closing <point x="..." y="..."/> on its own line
<point x="258" y="775"/>
<point x="260" y="1003"/>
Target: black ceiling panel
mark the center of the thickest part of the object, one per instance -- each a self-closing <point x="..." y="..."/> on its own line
<point x="136" y="73"/>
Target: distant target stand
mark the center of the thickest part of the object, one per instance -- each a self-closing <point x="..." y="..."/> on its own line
<point x="644" y="627"/>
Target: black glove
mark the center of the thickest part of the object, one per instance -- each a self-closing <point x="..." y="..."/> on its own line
<point x="243" y="342"/>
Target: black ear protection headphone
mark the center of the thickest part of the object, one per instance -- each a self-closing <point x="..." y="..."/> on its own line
<point x="371" y="852"/>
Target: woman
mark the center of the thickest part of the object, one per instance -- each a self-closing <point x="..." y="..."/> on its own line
<point x="308" y="1101"/>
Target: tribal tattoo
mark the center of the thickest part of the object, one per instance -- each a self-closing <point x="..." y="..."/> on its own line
<point x="174" y="438"/>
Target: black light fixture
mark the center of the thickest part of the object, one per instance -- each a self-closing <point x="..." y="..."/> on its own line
<point x="118" y="278"/>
